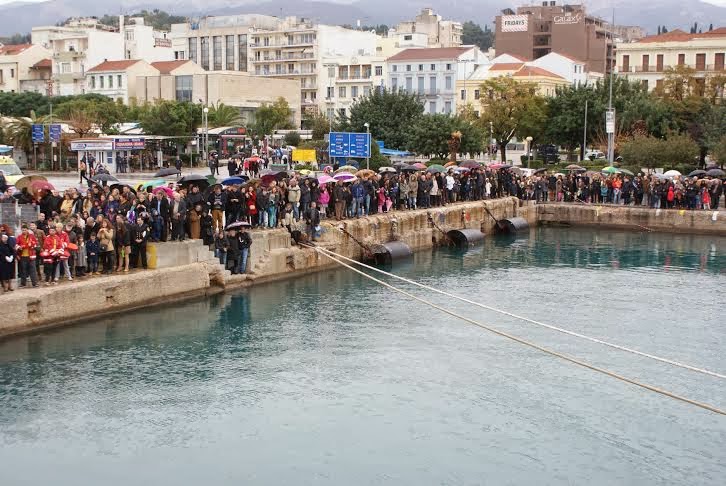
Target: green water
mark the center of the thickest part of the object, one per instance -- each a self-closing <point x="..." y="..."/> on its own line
<point x="330" y="379"/>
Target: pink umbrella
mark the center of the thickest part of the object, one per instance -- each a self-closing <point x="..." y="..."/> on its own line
<point x="496" y="166"/>
<point x="169" y="192"/>
<point x="325" y="178"/>
<point x="345" y="177"/>
<point x="420" y="166"/>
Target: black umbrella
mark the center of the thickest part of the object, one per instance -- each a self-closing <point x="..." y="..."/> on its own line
<point x="239" y="224"/>
<point x="104" y="178"/>
<point x="697" y="173"/>
<point x="539" y="171"/>
<point x="192" y="178"/>
<point x="407" y="168"/>
<point x="121" y="186"/>
<point x="715" y="173"/>
<point x="167" y="172"/>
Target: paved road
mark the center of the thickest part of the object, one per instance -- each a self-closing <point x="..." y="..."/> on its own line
<point x="63" y="181"/>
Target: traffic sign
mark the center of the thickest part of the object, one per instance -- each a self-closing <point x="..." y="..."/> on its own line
<point x="38" y="133"/>
<point x="346" y="144"/>
<point x="610" y="121"/>
<point x="55" y="133"/>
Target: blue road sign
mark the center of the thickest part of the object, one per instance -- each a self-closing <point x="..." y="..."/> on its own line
<point x="345" y="144"/>
<point x="38" y="133"/>
<point x="55" y="133"/>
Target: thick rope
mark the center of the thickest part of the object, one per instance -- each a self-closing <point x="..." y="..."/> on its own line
<point x="565" y="357"/>
<point x="537" y="323"/>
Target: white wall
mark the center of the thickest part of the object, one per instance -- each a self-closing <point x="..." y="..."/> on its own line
<point x="103" y="46"/>
<point x="572" y="71"/>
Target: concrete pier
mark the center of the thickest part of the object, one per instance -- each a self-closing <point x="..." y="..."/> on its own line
<point x="181" y="271"/>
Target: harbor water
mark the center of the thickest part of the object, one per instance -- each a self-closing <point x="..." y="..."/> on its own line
<point x="333" y="379"/>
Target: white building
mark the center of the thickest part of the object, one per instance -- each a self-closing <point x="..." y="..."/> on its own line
<point x="440" y="33"/>
<point x="117" y="79"/>
<point x="433" y="74"/>
<point x="346" y="79"/>
<point x="569" y="68"/>
<point x="17" y="66"/>
<point x="144" y="42"/>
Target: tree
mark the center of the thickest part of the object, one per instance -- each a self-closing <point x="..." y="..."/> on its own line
<point x="292" y="138"/>
<point x="388" y="113"/>
<point x="678" y="149"/>
<point x="223" y="115"/>
<point x="171" y="118"/>
<point x="319" y="124"/>
<point x="512" y="109"/>
<point x="566" y="124"/>
<point x="652" y="152"/>
<point x="156" y="18"/>
<point x="641" y="151"/>
<point x="19" y="131"/>
<point x="430" y="135"/>
<point x="21" y="104"/>
<point x="678" y="83"/>
<point x="718" y="152"/>
<point x="15" y="39"/>
<point x="472" y="34"/>
<point x="271" y="117"/>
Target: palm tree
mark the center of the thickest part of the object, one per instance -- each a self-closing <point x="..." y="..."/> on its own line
<point x="19" y="131"/>
<point x="224" y="116"/>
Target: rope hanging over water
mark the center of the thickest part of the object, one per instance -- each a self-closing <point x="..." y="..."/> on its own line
<point x="522" y="341"/>
<point x="531" y="321"/>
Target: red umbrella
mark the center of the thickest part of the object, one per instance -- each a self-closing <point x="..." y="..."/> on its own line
<point x="36" y="186"/>
<point x="169" y="192"/>
<point x="419" y="166"/>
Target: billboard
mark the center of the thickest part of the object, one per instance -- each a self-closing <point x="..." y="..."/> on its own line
<point x="128" y="144"/>
<point x="302" y="155"/>
<point x="515" y="23"/>
<point x="345" y="144"/>
<point x="92" y="145"/>
<point x="567" y="19"/>
<point x="55" y="133"/>
<point x="38" y="133"/>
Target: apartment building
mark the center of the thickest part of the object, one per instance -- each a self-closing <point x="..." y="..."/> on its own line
<point x="433" y="74"/>
<point x="117" y="79"/>
<point x="17" y="66"/>
<point x="346" y="79"/>
<point x="144" y="42"/>
<point x="439" y="33"/>
<point x="534" y="31"/>
<point x="648" y="59"/>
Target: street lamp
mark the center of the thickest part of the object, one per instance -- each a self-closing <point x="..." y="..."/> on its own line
<point x="205" y="112"/>
<point x="368" y="137"/>
<point x="529" y="151"/>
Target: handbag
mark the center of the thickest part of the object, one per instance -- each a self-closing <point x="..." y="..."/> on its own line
<point x="104" y="248"/>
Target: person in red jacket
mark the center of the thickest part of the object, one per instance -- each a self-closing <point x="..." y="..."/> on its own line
<point x="27" y="243"/>
<point x="252" y="206"/>
<point x="64" y="255"/>
<point x="52" y="249"/>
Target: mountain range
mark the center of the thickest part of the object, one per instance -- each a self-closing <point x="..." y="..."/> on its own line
<point x="22" y="16"/>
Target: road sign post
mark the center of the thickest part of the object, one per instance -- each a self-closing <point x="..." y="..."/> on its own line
<point x="349" y="145"/>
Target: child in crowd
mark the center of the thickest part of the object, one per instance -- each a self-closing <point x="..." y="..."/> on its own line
<point x="93" y="250"/>
<point x="221" y="244"/>
<point x="81" y="258"/>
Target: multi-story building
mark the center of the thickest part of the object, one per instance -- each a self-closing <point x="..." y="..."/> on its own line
<point x="433" y="74"/>
<point x="535" y="31"/>
<point x="144" y="42"/>
<point x="296" y="50"/>
<point x="346" y="79"/>
<point x="648" y="59"/>
<point x="17" y="66"/>
<point x="571" y="69"/>
<point x="117" y="79"/>
<point x="440" y="33"/>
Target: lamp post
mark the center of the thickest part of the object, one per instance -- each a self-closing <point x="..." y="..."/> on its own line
<point x="368" y="137"/>
<point x="529" y="151"/>
<point x="205" y="119"/>
<point x="491" y="140"/>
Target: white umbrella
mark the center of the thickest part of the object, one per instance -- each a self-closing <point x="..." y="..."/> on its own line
<point x="386" y="169"/>
<point x="672" y="173"/>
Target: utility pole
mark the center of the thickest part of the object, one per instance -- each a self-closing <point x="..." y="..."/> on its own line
<point x="584" y="134"/>
<point x="50" y="124"/>
<point x="610" y="120"/>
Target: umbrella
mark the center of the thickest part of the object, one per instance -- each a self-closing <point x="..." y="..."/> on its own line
<point x="470" y="164"/>
<point x="715" y="172"/>
<point x="575" y="167"/>
<point x="408" y="168"/>
<point x="461" y="169"/>
<point x="610" y="170"/>
<point x="592" y="173"/>
<point x="496" y="166"/>
<point x="398" y="165"/>
<point x="386" y="169"/>
<point x="104" y="178"/>
<point x="672" y="173"/>
<point x="305" y="172"/>
<point x="195" y="178"/>
<point x="697" y="173"/>
<point x="169" y="171"/>
<point x="419" y="166"/>
<point x="41" y="186"/>
<point x="626" y="172"/>
<point x="450" y="164"/>
<point x="347" y="168"/>
<point x="345" y="177"/>
<point x="169" y="192"/>
<point x="25" y="181"/>
<point x="253" y="158"/>
<point x="435" y="168"/>
<point x="660" y="176"/>
<point x="516" y="170"/>
<point x="154" y="183"/>
<point x="540" y="171"/>
<point x="239" y="224"/>
<point x="121" y="186"/>
<point x="234" y="181"/>
<point x="365" y="173"/>
<point x="325" y="178"/>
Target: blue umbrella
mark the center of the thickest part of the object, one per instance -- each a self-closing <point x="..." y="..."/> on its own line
<point x="235" y="181"/>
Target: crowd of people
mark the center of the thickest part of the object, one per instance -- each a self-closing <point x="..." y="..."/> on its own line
<point x="101" y="229"/>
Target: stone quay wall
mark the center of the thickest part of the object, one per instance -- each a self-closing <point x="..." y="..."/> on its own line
<point x="188" y="270"/>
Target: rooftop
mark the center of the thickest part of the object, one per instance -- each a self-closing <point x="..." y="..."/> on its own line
<point x="166" y="67"/>
<point x="429" y="54"/>
<point x="113" y="66"/>
<point x="43" y="64"/>
<point x="506" y="66"/>
<point x="682" y="36"/>
<point x="535" y="71"/>
<point x="11" y="50"/>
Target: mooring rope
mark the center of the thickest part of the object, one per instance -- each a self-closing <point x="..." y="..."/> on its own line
<point x="524" y="342"/>
<point x="537" y="323"/>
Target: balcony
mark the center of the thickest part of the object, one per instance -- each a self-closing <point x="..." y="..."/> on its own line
<point x="274" y="45"/>
<point x="309" y="86"/>
<point x="354" y="79"/>
<point x="659" y="69"/>
<point x="66" y="56"/>
<point x="304" y="72"/>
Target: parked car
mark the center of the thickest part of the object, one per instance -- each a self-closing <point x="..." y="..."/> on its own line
<point x="549" y="153"/>
<point x="594" y="155"/>
<point x="10" y="169"/>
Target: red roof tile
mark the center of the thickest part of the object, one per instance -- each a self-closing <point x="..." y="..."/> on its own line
<point x="43" y="64"/>
<point x="113" y="66"/>
<point x="535" y="71"/>
<point x="506" y="66"/>
<point x="430" y="54"/>
<point x="681" y="36"/>
<point x="166" y="67"/>
<point x="11" y="50"/>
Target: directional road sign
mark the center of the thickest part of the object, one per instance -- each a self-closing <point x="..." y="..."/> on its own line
<point x="345" y="144"/>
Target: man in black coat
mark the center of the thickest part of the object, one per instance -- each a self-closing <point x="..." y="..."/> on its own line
<point x="139" y="236"/>
<point x="178" y="211"/>
<point x="312" y="218"/>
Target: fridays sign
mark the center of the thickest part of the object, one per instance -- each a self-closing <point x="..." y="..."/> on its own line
<point x="515" y="23"/>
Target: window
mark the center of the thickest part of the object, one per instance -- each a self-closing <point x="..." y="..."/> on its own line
<point x="110" y="81"/>
<point x="204" y="44"/>
<point x="432" y="85"/>
<point x="681" y="59"/>
<point x="408" y="67"/>
<point x="330" y="112"/>
<point x="448" y="67"/>
<point x="12" y="73"/>
<point x="179" y="55"/>
<point x="463" y="95"/>
<point x="659" y="63"/>
<point x="278" y="69"/>
<point x="432" y="107"/>
<point x="700" y="62"/>
<point x="341" y="112"/>
<point x="420" y="67"/>
<point x="229" y="52"/>
<point x="646" y="62"/>
<point x="242" y="53"/>
<point x="718" y="61"/>
<point x="421" y="84"/>
<point x="291" y="68"/>
<point x="93" y="82"/>
<point x="341" y="92"/>
<point x="659" y="84"/>
<point x="408" y="37"/>
<point x="129" y="35"/>
<point x="183" y="86"/>
<point x="366" y="90"/>
<point x="448" y="83"/>
<point x="331" y="72"/>
<point x="217" y="52"/>
<point x="118" y="81"/>
<point x="379" y="70"/>
<point x="433" y="67"/>
<point x="266" y="41"/>
<point x="65" y="67"/>
<point x="330" y="92"/>
<point x="354" y="91"/>
<point x="101" y="82"/>
<point x="645" y="84"/>
<point x="477" y="93"/>
<point x="409" y="85"/>
<point x="447" y="107"/>
<point x="193" y="49"/>
<point x="626" y="64"/>
<point x="394" y="84"/>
